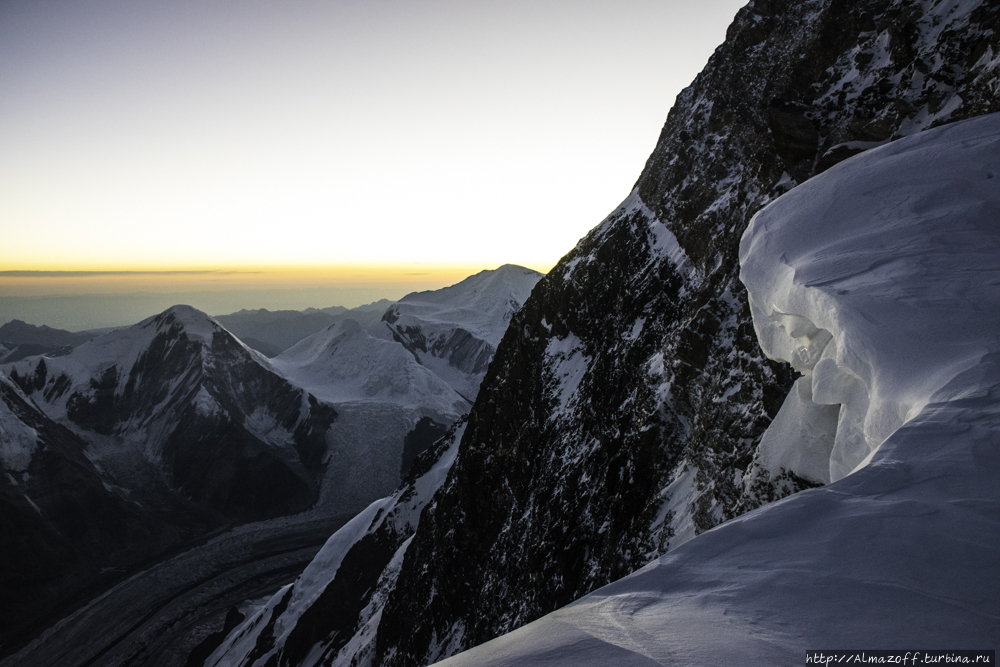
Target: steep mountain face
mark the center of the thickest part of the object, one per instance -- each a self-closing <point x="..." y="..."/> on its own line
<point x="176" y="403"/>
<point x="622" y="413"/>
<point x="455" y="331"/>
<point x="64" y="529"/>
<point x="389" y="406"/>
<point x="876" y="281"/>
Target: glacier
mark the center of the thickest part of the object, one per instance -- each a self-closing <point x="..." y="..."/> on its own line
<point x="878" y="281"/>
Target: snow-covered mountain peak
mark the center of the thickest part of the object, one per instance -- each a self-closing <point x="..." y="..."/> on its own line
<point x="195" y="324"/>
<point x="455" y="330"/>
<point x="345" y="364"/>
<point x="175" y="393"/>
<point x="326" y="342"/>
<point x="482" y="304"/>
<point x="346" y="328"/>
<point x="123" y="348"/>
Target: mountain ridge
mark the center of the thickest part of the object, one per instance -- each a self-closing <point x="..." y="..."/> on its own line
<point x="622" y="414"/>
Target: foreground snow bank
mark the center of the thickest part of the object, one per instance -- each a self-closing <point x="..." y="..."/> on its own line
<point x="874" y="283"/>
<point x="880" y="281"/>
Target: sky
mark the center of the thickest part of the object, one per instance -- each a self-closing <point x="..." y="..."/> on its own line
<point x="260" y="147"/>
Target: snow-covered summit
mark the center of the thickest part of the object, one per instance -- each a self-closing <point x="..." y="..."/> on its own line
<point x="482" y="304"/>
<point x="344" y="364"/>
<point x="878" y="280"/>
<point x="455" y="330"/>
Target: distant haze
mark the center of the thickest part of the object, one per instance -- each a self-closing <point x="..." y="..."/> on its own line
<point x="107" y="299"/>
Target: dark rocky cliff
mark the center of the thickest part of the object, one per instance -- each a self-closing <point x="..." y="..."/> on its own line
<point x="623" y="409"/>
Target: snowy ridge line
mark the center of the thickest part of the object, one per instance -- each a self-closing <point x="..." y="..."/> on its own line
<point x="895" y="255"/>
<point x="480" y="304"/>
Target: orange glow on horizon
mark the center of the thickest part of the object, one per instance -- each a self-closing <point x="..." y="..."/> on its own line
<point x="88" y="279"/>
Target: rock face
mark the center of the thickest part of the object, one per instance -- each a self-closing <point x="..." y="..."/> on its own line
<point x="177" y="404"/>
<point x="874" y="281"/>
<point x="622" y="412"/>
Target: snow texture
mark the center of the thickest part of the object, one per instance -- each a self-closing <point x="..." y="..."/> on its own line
<point x="482" y="304"/>
<point x="344" y="364"/>
<point x="455" y="331"/>
<point x="18" y="441"/>
<point x="879" y="280"/>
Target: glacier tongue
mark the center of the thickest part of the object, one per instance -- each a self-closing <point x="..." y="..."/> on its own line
<point x="895" y="254"/>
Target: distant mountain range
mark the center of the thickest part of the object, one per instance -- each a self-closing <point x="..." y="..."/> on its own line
<point x="19" y="340"/>
<point x="272" y="332"/>
<point x="177" y="422"/>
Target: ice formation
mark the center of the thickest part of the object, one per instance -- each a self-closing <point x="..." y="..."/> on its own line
<point x="879" y="280"/>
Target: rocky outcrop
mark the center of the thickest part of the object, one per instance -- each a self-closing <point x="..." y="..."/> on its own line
<point x="622" y="412"/>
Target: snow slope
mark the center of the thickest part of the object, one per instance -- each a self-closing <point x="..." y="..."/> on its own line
<point x="382" y="395"/>
<point x="344" y="364"/>
<point x="455" y="331"/>
<point x="879" y="281"/>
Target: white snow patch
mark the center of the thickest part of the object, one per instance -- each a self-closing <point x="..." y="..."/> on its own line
<point x="263" y="424"/>
<point x="18" y="441"/>
<point x="569" y="365"/>
<point x="344" y="364"/>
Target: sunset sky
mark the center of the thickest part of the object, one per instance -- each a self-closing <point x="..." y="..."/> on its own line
<point x="271" y="146"/>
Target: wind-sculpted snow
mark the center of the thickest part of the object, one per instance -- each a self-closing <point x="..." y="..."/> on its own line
<point x="879" y="281"/>
<point x="893" y="305"/>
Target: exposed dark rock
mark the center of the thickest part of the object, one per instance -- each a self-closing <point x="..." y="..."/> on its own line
<point x="65" y="532"/>
<point x="424" y="434"/>
<point x="203" y="650"/>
